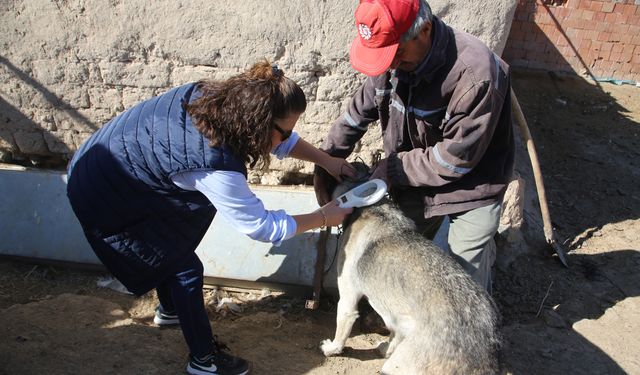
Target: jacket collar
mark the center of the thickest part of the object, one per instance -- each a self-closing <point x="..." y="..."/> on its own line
<point x="434" y="60"/>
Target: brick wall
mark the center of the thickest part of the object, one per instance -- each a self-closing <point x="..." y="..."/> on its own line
<point x="596" y="38"/>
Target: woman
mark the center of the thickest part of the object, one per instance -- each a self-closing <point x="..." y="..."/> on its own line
<point x="147" y="185"/>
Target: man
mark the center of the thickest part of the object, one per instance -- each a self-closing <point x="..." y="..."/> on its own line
<point x="443" y="102"/>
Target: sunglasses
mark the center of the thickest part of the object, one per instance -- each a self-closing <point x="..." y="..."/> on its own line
<point x="284" y="133"/>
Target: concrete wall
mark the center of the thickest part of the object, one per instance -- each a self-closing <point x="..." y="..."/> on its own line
<point x="599" y="38"/>
<point x="66" y="67"/>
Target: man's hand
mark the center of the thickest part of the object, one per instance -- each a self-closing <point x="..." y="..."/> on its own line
<point x="381" y="171"/>
<point x="339" y="169"/>
<point x="323" y="184"/>
<point x="326" y="178"/>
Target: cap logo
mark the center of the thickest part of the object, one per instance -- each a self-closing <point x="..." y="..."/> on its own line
<point x="365" y="31"/>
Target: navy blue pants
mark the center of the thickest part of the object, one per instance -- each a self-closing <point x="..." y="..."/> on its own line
<point x="182" y="294"/>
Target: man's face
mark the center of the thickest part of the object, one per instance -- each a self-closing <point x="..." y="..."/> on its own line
<point x="411" y="53"/>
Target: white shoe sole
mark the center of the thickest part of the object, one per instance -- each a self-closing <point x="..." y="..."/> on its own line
<point x="165" y="322"/>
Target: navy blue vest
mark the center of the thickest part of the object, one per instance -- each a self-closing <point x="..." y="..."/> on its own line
<point x="140" y="224"/>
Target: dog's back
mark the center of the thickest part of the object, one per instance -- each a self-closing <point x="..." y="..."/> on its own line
<point x="444" y="322"/>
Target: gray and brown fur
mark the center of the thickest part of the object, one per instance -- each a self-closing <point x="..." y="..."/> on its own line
<point x="441" y="321"/>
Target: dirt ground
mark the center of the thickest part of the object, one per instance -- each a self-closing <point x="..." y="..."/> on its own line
<point x="580" y="320"/>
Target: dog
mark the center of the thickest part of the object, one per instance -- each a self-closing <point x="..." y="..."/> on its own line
<point x="440" y="320"/>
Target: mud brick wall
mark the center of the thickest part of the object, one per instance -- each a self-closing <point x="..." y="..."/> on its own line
<point x="600" y="39"/>
<point x="67" y="67"/>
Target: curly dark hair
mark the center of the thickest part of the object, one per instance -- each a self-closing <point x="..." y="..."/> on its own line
<point x="240" y="111"/>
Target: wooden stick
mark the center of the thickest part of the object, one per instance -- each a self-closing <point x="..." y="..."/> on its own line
<point x="321" y="247"/>
<point x="537" y="174"/>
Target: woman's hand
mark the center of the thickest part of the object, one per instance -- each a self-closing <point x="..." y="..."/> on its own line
<point x="334" y="214"/>
<point x="328" y="215"/>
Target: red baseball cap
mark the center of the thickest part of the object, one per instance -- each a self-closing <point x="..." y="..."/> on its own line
<point x="380" y="25"/>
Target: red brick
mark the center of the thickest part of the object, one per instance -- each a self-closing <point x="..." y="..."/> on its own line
<point x="551" y="48"/>
<point x="617" y="48"/>
<point x="596" y="6"/>
<point x="575" y="14"/>
<point x="563" y="13"/>
<point x="515" y="25"/>
<point x="585" y="4"/>
<point x="606" y="47"/>
<point x="572" y="33"/>
<point x="541" y="38"/>
<point x="614" y="38"/>
<point x="617" y="66"/>
<point x="587" y="15"/>
<point x="630" y="9"/>
<point x="521" y="54"/>
<point x="603" y="37"/>
<point x="626" y="38"/>
<point x="585" y="44"/>
<point x="516" y="44"/>
<point x="595" y="45"/>
<point x="572" y="23"/>
<point x="621" y="29"/>
<point x="591" y="58"/>
<point x="529" y="37"/>
<point x="526" y="27"/>
<point x="522" y="16"/>
<point x="572" y="53"/>
<point x="622" y="19"/>
<point x="565" y="50"/>
<point x="573" y="4"/>
<point x="635" y="60"/>
<point x="607" y="7"/>
<point x="548" y="29"/>
<point x="516" y="34"/>
<point x="531" y="6"/>
<point x="627" y="54"/>
<point x="600" y="26"/>
<point x="610" y="17"/>
<point x="542" y="19"/>
<point x="599" y="16"/>
<point x="608" y="28"/>
<point x="539" y="46"/>
<point x="619" y="8"/>
<point x="588" y="25"/>
<point x="615" y="56"/>
<point x="637" y="10"/>
<point x="561" y="41"/>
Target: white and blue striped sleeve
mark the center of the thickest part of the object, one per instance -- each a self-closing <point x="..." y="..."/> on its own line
<point x="238" y="205"/>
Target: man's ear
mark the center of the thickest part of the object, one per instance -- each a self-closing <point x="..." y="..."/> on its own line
<point x="425" y="32"/>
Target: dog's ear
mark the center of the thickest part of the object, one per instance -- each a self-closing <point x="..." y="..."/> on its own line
<point x="363" y="171"/>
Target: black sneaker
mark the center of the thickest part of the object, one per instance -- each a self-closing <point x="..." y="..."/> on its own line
<point x="163" y="318"/>
<point x="218" y="363"/>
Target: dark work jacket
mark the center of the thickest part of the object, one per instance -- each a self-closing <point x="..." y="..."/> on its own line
<point x="446" y="127"/>
<point x="141" y="225"/>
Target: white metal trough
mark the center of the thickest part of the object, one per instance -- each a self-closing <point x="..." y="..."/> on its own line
<point x="36" y="222"/>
